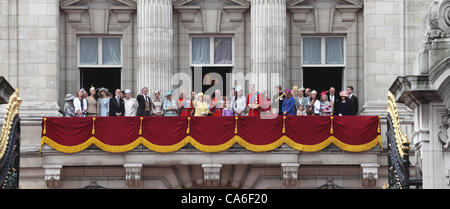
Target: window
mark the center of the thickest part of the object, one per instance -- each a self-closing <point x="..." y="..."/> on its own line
<point x="100" y="52"/>
<point x="323" y="51"/>
<point x="212" y="51"/>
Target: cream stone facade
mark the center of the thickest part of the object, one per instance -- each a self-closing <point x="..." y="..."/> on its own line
<point x="39" y="54"/>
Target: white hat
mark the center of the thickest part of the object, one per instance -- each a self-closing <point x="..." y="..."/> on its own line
<point x="127" y="91"/>
<point x="238" y="88"/>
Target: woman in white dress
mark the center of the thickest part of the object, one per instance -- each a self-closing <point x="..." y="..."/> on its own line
<point x="80" y="104"/>
<point x="239" y="102"/>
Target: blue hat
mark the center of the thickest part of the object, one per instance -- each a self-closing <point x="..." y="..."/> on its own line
<point x="169" y="93"/>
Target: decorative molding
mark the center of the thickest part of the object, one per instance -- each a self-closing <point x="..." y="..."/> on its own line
<point x="53" y="176"/>
<point x="133" y="174"/>
<point x="211" y="174"/>
<point x="443" y="133"/>
<point x="290" y="173"/>
<point x="369" y="174"/>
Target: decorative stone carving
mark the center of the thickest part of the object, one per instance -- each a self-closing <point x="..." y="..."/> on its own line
<point x="443" y="134"/>
<point x="133" y="174"/>
<point x="290" y="173"/>
<point x="438" y="19"/>
<point x="53" y="176"/>
<point x="211" y="174"/>
<point x="369" y="174"/>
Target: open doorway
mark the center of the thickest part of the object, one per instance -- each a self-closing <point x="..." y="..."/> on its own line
<point x="320" y="79"/>
<point x="100" y="77"/>
<point x="212" y="78"/>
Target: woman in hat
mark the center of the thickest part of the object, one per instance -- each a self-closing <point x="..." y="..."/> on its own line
<point x="239" y="102"/>
<point x="69" y="109"/>
<point x="296" y="97"/>
<point x="92" y="107"/>
<point x="325" y="105"/>
<point x="170" y="106"/>
<point x="342" y="107"/>
<point x="103" y="103"/>
<point x="201" y="106"/>
<point x="313" y="104"/>
<point x="131" y="104"/>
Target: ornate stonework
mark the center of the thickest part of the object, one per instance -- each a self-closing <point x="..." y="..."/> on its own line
<point x="53" y="176"/>
<point x="211" y="174"/>
<point x="290" y="173"/>
<point x="133" y="174"/>
<point x="369" y="174"/>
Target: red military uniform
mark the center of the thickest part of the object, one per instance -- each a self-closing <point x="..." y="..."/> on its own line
<point x="217" y="112"/>
<point x="256" y="100"/>
<point x="186" y="112"/>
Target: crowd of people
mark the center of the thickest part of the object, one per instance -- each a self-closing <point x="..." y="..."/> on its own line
<point x="295" y="101"/>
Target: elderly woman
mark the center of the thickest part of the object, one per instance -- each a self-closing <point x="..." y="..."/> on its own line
<point x="201" y="106"/>
<point x="313" y="104"/>
<point x="239" y="102"/>
<point x="325" y="105"/>
<point x="131" y="104"/>
<point x="157" y="107"/>
<point x="69" y="109"/>
<point x="92" y="107"/>
<point x="170" y="106"/>
<point x="80" y="104"/>
<point x="103" y="102"/>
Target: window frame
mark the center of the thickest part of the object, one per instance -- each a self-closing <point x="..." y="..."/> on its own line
<point x="211" y="51"/>
<point x="100" y="52"/>
<point x="323" y="51"/>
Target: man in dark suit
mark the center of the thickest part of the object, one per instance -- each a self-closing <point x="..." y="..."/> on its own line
<point x="353" y="101"/>
<point x="278" y="99"/>
<point x="145" y="103"/>
<point x="116" y="105"/>
<point x="333" y="98"/>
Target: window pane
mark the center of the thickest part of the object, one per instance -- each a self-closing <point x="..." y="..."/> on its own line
<point x="111" y="51"/>
<point x="223" y="49"/>
<point x="312" y="50"/>
<point x="334" y="50"/>
<point x="200" y="50"/>
<point x="88" y="51"/>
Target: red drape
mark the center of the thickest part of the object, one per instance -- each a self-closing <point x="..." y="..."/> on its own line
<point x="211" y="134"/>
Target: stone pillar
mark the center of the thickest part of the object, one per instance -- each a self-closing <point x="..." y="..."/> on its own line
<point x="30" y="60"/>
<point x="155" y="34"/>
<point x="268" y="44"/>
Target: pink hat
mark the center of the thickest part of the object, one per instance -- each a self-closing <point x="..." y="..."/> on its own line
<point x="343" y="94"/>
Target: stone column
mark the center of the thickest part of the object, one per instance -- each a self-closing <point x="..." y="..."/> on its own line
<point x="268" y="44"/>
<point x="155" y="34"/>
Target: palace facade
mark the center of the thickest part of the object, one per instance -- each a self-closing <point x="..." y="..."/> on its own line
<point x="49" y="48"/>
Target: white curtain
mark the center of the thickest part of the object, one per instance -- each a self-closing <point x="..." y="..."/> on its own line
<point x="334" y="50"/>
<point x="88" y="51"/>
<point x="312" y="50"/>
<point x="223" y="50"/>
<point x="111" y="51"/>
<point x="200" y="50"/>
